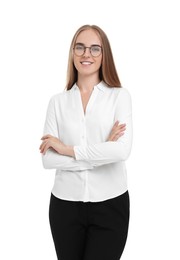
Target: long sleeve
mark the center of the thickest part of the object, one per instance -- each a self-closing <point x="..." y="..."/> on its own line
<point x="109" y="152"/>
<point x="98" y="171"/>
<point x="53" y="160"/>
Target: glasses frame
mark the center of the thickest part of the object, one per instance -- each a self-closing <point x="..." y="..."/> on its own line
<point x="85" y="47"/>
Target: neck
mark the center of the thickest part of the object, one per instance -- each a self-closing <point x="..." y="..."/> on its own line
<point x="86" y="84"/>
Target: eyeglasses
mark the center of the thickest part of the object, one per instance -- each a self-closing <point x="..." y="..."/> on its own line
<point x="80" y="49"/>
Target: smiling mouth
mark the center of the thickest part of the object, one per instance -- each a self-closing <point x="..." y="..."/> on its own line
<point x="86" y="62"/>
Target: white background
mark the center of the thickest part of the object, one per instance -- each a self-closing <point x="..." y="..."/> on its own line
<point x="34" y="43"/>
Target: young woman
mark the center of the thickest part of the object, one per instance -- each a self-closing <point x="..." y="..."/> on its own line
<point x="87" y="139"/>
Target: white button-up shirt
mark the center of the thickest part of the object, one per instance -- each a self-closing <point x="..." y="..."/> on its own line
<point x="98" y="171"/>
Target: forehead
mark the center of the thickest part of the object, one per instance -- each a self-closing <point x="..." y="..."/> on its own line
<point x="89" y="37"/>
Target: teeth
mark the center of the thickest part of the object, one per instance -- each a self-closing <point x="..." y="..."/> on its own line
<point x="86" y="62"/>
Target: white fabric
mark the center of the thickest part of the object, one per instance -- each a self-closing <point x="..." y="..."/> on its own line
<point x="98" y="171"/>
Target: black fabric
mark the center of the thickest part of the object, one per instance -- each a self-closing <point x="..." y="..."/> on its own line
<point x="89" y="230"/>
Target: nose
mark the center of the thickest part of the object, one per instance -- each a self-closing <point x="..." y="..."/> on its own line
<point x="87" y="52"/>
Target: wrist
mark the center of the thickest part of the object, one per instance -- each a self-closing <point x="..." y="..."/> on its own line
<point x="69" y="151"/>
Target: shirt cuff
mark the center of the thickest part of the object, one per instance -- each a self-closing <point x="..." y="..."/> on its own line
<point x="80" y="153"/>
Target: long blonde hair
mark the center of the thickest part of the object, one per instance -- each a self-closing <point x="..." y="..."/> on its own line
<point x="107" y="71"/>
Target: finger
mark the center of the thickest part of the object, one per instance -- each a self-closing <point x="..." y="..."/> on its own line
<point x="121" y="129"/>
<point x="115" y="124"/>
<point x="117" y="136"/>
<point x="46" y="137"/>
<point x="43" y="146"/>
<point x="121" y="126"/>
<point x="118" y="128"/>
<point x="40" y="147"/>
<point x="46" y="147"/>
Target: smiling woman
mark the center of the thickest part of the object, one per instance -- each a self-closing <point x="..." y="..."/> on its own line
<point x="87" y="139"/>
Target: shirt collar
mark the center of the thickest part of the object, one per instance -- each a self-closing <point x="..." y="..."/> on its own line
<point x="100" y="86"/>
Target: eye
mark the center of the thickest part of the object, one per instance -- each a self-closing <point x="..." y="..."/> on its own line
<point x="79" y="47"/>
<point x="95" y="50"/>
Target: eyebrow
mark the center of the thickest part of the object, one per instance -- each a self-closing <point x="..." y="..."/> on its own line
<point x="80" y="43"/>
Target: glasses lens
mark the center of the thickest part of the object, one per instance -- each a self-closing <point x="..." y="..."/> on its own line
<point x="95" y="50"/>
<point x="79" y="49"/>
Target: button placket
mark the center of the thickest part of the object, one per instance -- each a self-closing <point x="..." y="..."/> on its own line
<point x="86" y="188"/>
<point x="83" y="134"/>
<point x="84" y="142"/>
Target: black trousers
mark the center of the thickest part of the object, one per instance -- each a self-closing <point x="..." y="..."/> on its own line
<point x="89" y="230"/>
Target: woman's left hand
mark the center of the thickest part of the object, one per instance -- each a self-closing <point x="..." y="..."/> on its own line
<point x="49" y="141"/>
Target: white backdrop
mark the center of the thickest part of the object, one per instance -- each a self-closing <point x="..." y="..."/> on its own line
<point x="35" y="38"/>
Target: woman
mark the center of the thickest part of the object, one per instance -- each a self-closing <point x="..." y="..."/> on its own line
<point x="87" y="138"/>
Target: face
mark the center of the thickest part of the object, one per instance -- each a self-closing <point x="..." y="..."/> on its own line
<point x="86" y="63"/>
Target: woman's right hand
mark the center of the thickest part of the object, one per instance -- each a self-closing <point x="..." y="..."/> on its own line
<point x="117" y="131"/>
